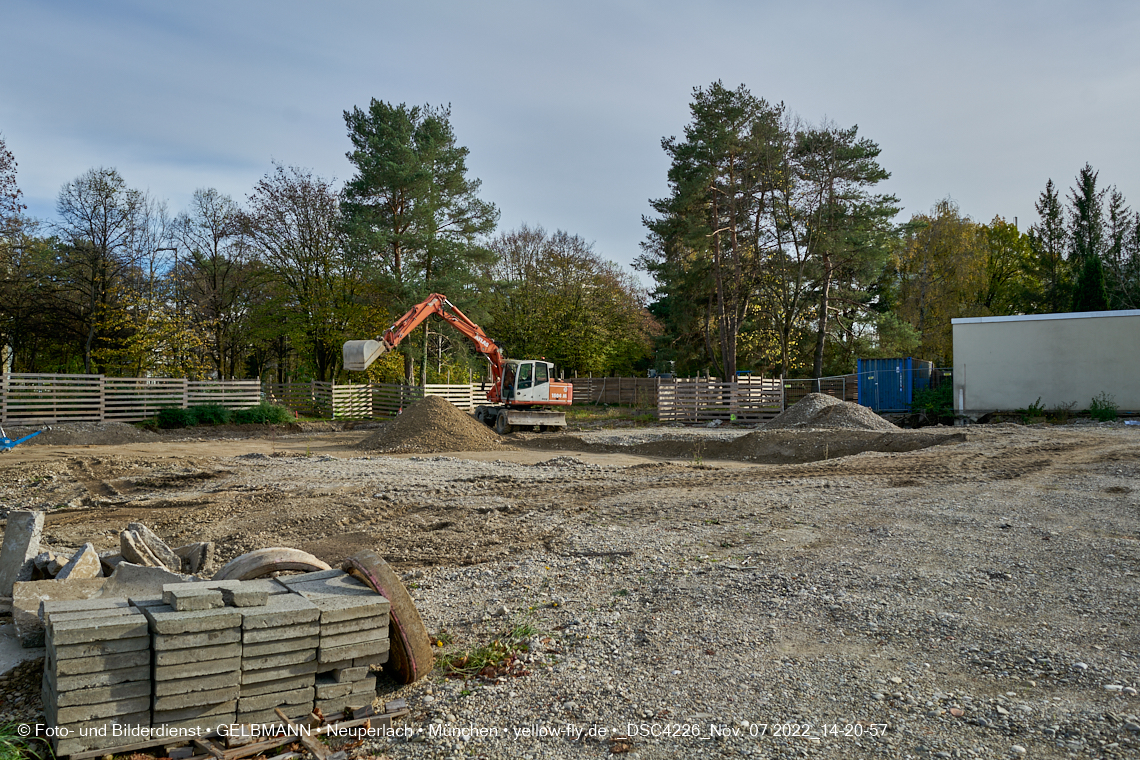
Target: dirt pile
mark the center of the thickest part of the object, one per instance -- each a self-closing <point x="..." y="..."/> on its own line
<point x="819" y="411"/>
<point x="83" y="434"/>
<point x="430" y="426"/>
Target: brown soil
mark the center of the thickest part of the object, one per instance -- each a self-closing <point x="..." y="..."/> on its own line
<point x="83" y="433"/>
<point x="430" y="426"/>
<point x="822" y="412"/>
<point x="766" y="446"/>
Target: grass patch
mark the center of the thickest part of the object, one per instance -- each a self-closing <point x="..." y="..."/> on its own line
<point x="263" y="414"/>
<point x="16" y="747"/>
<point x="493" y="660"/>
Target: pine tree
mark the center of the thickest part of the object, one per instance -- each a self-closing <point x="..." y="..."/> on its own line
<point x="1091" y="292"/>
<point x="1049" y="240"/>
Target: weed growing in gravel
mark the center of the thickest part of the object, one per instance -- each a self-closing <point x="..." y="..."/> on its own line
<point x="16" y="747"/>
<point x="493" y="660"/>
<point x="1061" y="413"/>
<point x="1103" y="407"/>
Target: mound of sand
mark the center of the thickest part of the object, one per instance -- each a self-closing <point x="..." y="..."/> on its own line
<point x="430" y="426"/>
<point x="83" y="434"/>
<point x="818" y="411"/>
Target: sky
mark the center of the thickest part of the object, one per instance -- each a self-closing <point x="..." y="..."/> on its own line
<point x="563" y="106"/>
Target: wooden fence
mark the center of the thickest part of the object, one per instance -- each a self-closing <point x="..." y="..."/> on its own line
<point x="704" y="400"/>
<point x="365" y="401"/>
<point x="41" y="399"/>
<point x="634" y="391"/>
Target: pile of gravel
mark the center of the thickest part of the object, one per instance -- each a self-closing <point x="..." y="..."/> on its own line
<point x="430" y="426"/>
<point x="820" y="412"/>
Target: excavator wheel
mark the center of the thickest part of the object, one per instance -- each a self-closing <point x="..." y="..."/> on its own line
<point x="502" y="427"/>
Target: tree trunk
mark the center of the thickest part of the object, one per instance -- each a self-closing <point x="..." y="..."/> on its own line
<point x="821" y="330"/>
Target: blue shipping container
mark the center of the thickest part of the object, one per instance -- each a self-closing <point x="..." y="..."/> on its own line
<point x="888" y="385"/>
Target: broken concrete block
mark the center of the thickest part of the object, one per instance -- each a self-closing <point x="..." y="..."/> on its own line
<point x="191" y="597"/>
<point x="136" y="581"/>
<point x="163" y="553"/>
<point x="21" y="545"/>
<point x="43" y="560"/>
<point x="85" y="564"/>
<point x="135" y="550"/>
<point x="197" y="557"/>
<point x="27" y="598"/>
<point x="110" y="561"/>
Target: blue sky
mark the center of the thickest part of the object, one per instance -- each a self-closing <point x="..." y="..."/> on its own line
<point x="563" y="105"/>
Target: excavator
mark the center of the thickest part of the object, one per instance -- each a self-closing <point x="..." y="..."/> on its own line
<point x="522" y="390"/>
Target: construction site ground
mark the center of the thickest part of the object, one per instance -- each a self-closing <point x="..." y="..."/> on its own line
<point x="949" y="592"/>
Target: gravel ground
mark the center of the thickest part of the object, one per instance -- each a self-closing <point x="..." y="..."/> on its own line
<point x="972" y="599"/>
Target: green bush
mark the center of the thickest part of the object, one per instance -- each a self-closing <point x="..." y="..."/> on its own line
<point x="262" y="414"/>
<point x="210" y="414"/>
<point x="176" y="417"/>
<point x="1103" y="407"/>
<point x="934" y="403"/>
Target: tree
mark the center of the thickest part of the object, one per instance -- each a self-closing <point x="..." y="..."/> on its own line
<point x="410" y="209"/>
<point x="105" y="229"/>
<point x="716" y="229"/>
<point x="215" y="276"/>
<point x="554" y="296"/>
<point x="1121" y="265"/>
<point x="1091" y="291"/>
<point x="1007" y="283"/>
<point x="849" y="224"/>
<point x="11" y="208"/>
<point x="1048" y="241"/>
<point x="1086" y="218"/>
<point x="294" y="222"/>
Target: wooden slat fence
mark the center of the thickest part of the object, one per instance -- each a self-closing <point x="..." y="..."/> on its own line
<point x="44" y="399"/>
<point x="634" y="391"/>
<point x="367" y="400"/>
<point x="312" y="399"/>
<point x="702" y="400"/>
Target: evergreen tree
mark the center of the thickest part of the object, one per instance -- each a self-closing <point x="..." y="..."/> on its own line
<point x="1049" y="241"/>
<point x="1091" y="292"/>
<point x="1086" y="218"/>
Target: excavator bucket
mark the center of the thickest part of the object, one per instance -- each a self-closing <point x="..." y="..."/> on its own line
<point x="358" y="354"/>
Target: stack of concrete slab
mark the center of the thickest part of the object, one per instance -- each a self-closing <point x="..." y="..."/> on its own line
<point x="279" y="659"/>
<point x="97" y="673"/>
<point x="353" y="637"/>
<point x="197" y="657"/>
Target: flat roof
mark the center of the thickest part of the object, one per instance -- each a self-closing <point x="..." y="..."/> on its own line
<point x="1040" y="317"/>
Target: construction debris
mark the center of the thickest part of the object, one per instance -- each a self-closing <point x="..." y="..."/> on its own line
<point x="207" y="653"/>
<point x="21" y="545"/>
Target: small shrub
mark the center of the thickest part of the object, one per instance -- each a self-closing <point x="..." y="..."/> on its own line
<point x="175" y="417"/>
<point x="934" y="403"/>
<point x="262" y="414"/>
<point x="210" y="414"/>
<point x="1103" y="407"/>
<point x="1034" y="411"/>
<point x="1061" y="413"/>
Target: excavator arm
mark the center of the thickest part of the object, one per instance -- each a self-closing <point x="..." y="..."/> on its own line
<point x="359" y="354"/>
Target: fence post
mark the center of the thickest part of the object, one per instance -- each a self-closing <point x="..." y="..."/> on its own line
<point x="3" y="397"/>
<point x="102" y="398"/>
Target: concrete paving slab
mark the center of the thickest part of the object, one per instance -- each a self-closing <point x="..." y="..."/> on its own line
<point x="349" y="674"/>
<point x="354" y="637"/>
<point x="97" y="649"/>
<point x="28" y="597"/>
<point x="196" y="654"/>
<point x="266" y="648"/>
<point x="365" y="649"/>
<point x="379" y="620"/>
<point x="330" y="689"/>
<point x="193" y="597"/>
<point x="276" y="674"/>
<point x="131" y="580"/>
<point x="100" y="678"/>
<point x="64" y="715"/>
<point x="171" y="687"/>
<point x="280" y="610"/>
<point x="90" y="630"/>
<point x="193" y="669"/>
<point x="302" y="696"/>
<point x="166" y="620"/>
<point x="80" y="665"/>
<point x="194" y="698"/>
<point x="198" y="712"/>
<point x="282" y="659"/>
<point x="98" y="694"/>
<point x="281" y="633"/>
<point x="281" y="684"/>
<point x="164" y="642"/>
